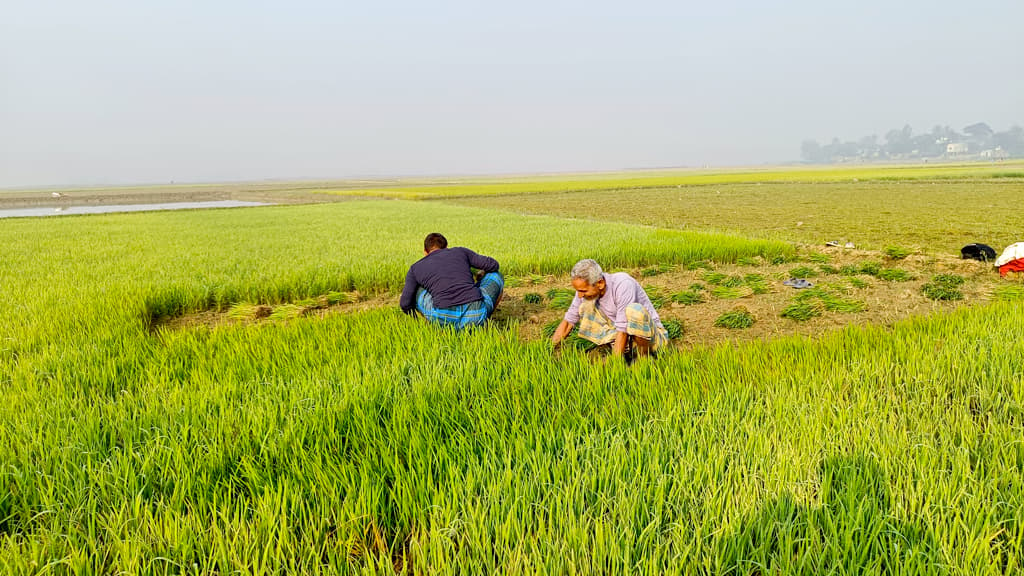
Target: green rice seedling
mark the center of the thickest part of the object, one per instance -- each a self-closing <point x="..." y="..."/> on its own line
<point x="802" y="310"/>
<point x="821" y="299"/>
<point x="850" y="270"/>
<point x="548" y="330"/>
<point x="757" y="283"/>
<point x="809" y="294"/>
<point x="828" y="269"/>
<point x="657" y="296"/>
<point x="334" y="298"/>
<point x="894" y="275"/>
<point x="714" y="278"/>
<point x="287" y="312"/>
<point x="248" y="311"/>
<point x="941" y="292"/>
<point x="738" y="318"/>
<point x="673" y="327"/>
<point x="687" y="297"/>
<point x="697" y="286"/>
<point x="1010" y="292"/>
<point x="834" y="303"/>
<point x="896" y="252"/>
<point x="748" y="261"/>
<point x="870" y="267"/>
<point x="858" y="282"/>
<point x="525" y="280"/>
<point x="656" y="270"/>
<point x="560" y="297"/>
<point x="733" y="281"/>
<point x="731" y="292"/>
<point x="699" y="264"/>
<point x="572" y="341"/>
<point x="532" y="298"/>
<point x="818" y="258"/>
<point x="944" y="287"/>
<point x="949" y="279"/>
<point x="803" y="272"/>
<point x="373" y="443"/>
<point x="780" y="259"/>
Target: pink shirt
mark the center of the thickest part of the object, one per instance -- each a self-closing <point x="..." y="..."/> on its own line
<point x="621" y="290"/>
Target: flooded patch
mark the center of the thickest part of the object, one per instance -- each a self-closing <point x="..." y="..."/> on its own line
<point x="72" y="210"/>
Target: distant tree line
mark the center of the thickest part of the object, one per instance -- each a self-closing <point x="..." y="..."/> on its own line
<point x="976" y="142"/>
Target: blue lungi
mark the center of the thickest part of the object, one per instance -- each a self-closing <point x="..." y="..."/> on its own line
<point x="471" y="314"/>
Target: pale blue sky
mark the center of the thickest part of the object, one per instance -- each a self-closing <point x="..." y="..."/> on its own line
<point x="119" y="91"/>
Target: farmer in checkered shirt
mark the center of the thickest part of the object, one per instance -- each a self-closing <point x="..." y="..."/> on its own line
<point x="611" y="309"/>
<point x="441" y="287"/>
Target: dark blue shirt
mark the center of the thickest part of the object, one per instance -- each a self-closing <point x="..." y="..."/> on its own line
<point x="447" y="275"/>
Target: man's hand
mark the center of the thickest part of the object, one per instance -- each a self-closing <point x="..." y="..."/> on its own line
<point x="560" y="333"/>
<point x="619" y="346"/>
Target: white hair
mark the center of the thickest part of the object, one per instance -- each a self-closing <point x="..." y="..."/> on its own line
<point x="588" y="270"/>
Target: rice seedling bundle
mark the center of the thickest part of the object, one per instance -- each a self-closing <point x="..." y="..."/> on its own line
<point x="944" y="287"/>
<point x="687" y="297"/>
<point x="737" y="319"/>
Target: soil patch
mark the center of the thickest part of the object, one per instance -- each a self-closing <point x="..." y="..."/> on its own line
<point x="527" y="301"/>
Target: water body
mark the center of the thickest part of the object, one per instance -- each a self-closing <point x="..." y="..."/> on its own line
<point x="70" y="210"/>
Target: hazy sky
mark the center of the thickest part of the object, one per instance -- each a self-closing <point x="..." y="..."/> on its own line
<point x="125" y="91"/>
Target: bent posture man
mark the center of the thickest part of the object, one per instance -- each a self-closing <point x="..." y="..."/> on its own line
<point x="440" y="285"/>
<point x="611" y="309"/>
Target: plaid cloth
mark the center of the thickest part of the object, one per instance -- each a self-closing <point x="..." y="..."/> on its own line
<point x="597" y="328"/>
<point x="472" y="314"/>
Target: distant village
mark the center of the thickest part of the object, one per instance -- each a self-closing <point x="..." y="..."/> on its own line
<point x="977" y="142"/>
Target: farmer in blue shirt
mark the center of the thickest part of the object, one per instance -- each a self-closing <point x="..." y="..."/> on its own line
<point x="440" y="285"/>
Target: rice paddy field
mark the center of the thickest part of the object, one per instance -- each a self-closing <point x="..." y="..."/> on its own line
<point x="362" y="441"/>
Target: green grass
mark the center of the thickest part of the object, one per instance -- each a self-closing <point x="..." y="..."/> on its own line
<point x="374" y="443"/>
<point x="896" y="252"/>
<point x="634" y="181"/>
<point x="929" y="214"/>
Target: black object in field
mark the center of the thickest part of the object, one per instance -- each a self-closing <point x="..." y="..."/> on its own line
<point x="982" y="252"/>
